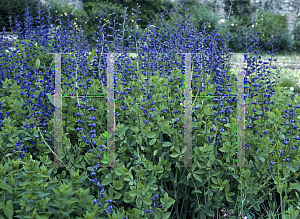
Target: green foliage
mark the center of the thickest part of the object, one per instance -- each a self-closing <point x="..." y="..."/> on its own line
<point x="269" y="24"/>
<point x="203" y="14"/>
<point x="241" y="10"/>
<point x="97" y="11"/>
<point x="31" y="189"/>
<point x="76" y="15"/>
<point x="113" y="11"/>
<point x="296" y="41"/>
<point x="16" y="8"/>
<point x="148" y="8"/>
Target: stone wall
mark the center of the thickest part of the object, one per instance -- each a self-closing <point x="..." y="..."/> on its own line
<point x="290" y="8"/>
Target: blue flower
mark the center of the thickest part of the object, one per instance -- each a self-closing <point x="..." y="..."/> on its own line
<point x="109" y="201"/>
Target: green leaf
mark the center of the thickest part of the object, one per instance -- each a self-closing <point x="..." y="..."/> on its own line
<point x="82" y="178"/>
<point x="166" y="215"/>
<point x="196" y="191"/>
<point x="200" y="171"/>
<point x="51" y="98"/>
<point x="208" y="111"/>
<point x="52" y="210"/>
<point x="174" y="154"/>
<point x="209" y="213"/>
<point x="214" y="180"/>
<point x="225" y="133"/>
<point x="216" y="173"/>
<point x="230" y="193"/>
<point x="37" y="64"/>
<point x="118" y="171"/>
<point x="167" y="144"/>
<point x="228" y="199"/>
<point x="197" y="177"/>
<point x="155" y="152"/>
<point x="4" y="185"/>
<point x="166" y="201"/>
<point x="29" y="206"/>
<point x="157" y="214"/>
<point x="215" y="186"/>
<point x="9" y="210"/>
<point x="189" y="176"/>
<point x="152" y="142"/>
<point x="147" y="201"/>
<point x="91" y="56"/>
<point x="106" y="182"/>
<point x="138" y="203"/>
<point x="151" y="135"/>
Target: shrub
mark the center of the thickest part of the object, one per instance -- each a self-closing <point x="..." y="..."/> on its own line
<point x="296" y="41"/>
<point x="269" y="24"/>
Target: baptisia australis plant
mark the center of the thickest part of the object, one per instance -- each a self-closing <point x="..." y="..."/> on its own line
<point x="31" y="133"/>
<point x="150" y="95"/>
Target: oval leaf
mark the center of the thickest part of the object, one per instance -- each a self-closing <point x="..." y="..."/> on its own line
<point x="151" y="135"/>
<point x="51" y="98"/>
<point x="152" y="142"/>
<point x="167" y="144"/>
<point x="37" y="64"/>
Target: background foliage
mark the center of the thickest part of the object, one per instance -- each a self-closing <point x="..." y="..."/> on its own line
<point x="268" y="24"/>
<point x="241" y="10"/>
<point x="16" y="8"/>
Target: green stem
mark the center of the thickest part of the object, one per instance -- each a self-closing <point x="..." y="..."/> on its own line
<point x="182" y="204"/>
<point x="279" y="182"/>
